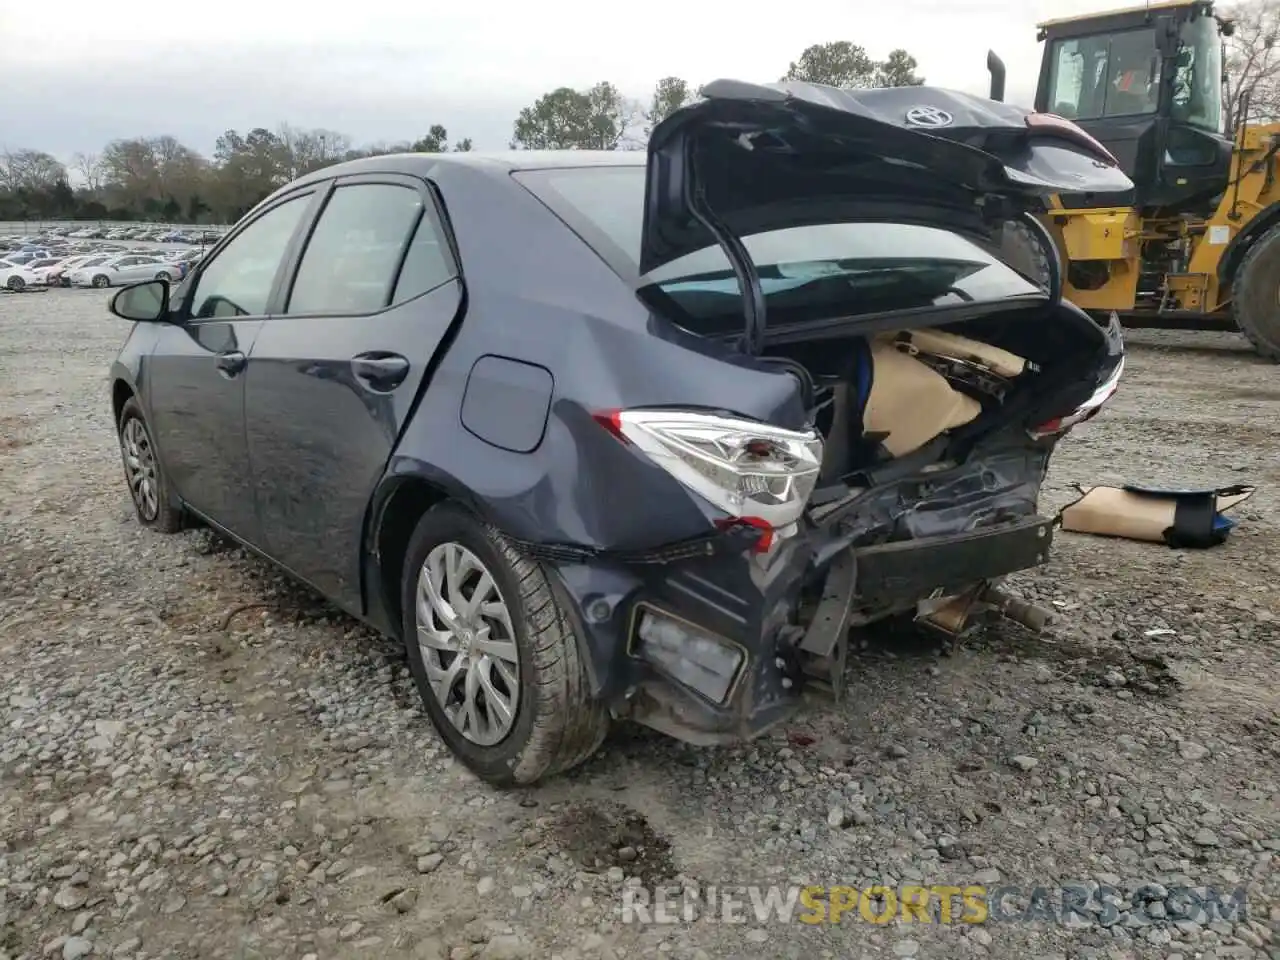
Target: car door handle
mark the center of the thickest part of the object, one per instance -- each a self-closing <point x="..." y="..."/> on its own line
<point x="231" y="362"/>
<point x="380" y="371"/>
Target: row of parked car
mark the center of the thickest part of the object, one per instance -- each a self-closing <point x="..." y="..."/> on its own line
<point x="148" y="234"/>
<point x="50" y="260"/>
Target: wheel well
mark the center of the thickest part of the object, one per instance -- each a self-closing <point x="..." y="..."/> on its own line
<point x="120" y="394"/>
<point x="1240" y="244"/>
<point x="400" y="516"/>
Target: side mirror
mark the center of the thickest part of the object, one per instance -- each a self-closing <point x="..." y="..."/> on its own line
<point x="145" y="302"/>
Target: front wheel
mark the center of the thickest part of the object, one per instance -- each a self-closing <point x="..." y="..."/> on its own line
<point x="162" y="275"/>
<point x="142" y="471"/>
<point x="101" y="281"/>
<point x="493" y="655"/>
<point x="1257" y="295"/>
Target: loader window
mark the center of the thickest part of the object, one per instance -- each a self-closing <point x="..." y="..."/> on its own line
<point x="1108" y="75"/>
<point x="1197" y="85"/>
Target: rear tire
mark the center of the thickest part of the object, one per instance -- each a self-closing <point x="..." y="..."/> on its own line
<point x="162" y="275"/>
<point x="16" y="284"/>
<point x="148" y="487"/>
<point x="1257" y="295"/>
<point x="554" y="725"/>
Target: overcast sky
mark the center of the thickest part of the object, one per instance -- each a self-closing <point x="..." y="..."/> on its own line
<point x="78" y="74"/>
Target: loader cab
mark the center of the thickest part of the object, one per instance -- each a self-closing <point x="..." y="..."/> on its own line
<point x="1147" y="83"/>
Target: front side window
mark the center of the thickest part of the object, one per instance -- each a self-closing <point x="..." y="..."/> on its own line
<point x="238" y="282"/>
<point x="354" y="256"/>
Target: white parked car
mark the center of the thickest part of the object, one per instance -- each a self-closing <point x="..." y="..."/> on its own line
<point x="120" y="270"/>
<point x="81" y="261"/>
<point x="15" y="276"/>
<point x="60" y="275"/>
<point x="40" y="269"/>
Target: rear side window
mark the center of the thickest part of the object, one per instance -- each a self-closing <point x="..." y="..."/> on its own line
<point x="602" y="205"/>
<point x="807" y="273"/>
<point x="352" y="263"/>
<point x="427" y="264"/>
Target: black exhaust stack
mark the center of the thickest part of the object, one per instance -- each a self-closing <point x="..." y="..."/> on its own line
<point x="995" y="66"/>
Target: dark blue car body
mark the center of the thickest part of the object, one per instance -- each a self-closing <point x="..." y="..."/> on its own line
<point x="307" y="438"/>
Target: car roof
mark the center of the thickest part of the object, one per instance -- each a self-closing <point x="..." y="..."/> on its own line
<point x="498" y="163"/>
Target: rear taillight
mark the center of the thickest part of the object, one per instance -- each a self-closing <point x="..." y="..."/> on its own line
<point x="760" y="475"/>
<point x="1086" y="410"/>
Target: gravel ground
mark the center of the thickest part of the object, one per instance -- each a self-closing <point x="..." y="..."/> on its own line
<point x="200" y="759"/>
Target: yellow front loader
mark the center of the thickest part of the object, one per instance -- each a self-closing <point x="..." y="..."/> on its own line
<point x="1197" y="244"/>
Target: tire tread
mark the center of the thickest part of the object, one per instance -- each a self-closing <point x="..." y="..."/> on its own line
<point x="570" y="725"/>
<point x="1247" y="275"/>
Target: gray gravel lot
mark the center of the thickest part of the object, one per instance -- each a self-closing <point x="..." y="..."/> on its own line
<point x="200" y="759"/>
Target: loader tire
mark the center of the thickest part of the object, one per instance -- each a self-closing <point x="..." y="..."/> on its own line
<point x="1021" y="249"/>
<point x="1257" y="295"/>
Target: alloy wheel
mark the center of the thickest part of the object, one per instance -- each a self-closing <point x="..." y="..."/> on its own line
<point x="140" y="468"/>
<point x="468" y="644"/>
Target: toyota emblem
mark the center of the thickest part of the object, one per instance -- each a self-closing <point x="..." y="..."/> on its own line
<point x="928" y="117"/>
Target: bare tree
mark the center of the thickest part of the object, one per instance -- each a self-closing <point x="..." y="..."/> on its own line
<point x="302" y="151"/>
<point x="89" y="168"/>
<point x="1252" y="64"/>
<point x="29" y="170"/>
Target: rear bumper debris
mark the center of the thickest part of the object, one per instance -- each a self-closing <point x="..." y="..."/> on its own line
<point x="719" y="647"/>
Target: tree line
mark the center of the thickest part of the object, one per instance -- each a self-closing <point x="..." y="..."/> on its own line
<point x="160" y="179"/>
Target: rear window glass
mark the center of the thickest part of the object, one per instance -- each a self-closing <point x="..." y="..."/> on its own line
<point x="807" y="272"/>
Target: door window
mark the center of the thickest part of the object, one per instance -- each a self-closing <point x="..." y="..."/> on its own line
<point x="1197" y="85"/>
<point x="238" y="281"/>
<point x="428" y="263"/>
<point x="352" y="263"/>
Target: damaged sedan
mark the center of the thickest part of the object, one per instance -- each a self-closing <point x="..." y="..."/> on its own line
<point x="633" y="435"/>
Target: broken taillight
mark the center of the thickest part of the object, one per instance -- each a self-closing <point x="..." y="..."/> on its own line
<point x="758" y="474"/>
<point x="1086" y="410"/>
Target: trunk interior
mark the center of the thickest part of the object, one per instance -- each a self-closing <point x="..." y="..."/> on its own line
<point x="907" y="393"/>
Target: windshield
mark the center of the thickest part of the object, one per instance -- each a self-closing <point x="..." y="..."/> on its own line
<point x="807" y="273"/>
<point x="1108" y="75"/>
<point x="1197" y="85"/>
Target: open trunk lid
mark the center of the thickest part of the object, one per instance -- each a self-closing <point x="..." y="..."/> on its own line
<point x="759" y="157"/>
<point x="749" y="159"/>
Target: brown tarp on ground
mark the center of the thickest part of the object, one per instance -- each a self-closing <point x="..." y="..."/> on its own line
<point x="1176" y="517"/>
